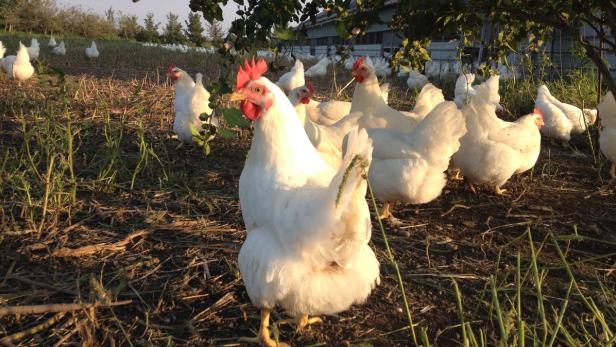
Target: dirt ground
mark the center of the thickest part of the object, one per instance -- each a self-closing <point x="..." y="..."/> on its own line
<point x="172" y="249"/>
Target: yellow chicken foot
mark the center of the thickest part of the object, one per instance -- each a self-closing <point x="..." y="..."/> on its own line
<point x="499" y="191"/>
<point x="301" y="322"/>
<point x="613" y="171"/>
<point x="458" y="175"/>
<point x="263" y="338"/>
<point x="386" y="213"/>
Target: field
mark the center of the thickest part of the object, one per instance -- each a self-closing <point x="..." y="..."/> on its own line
<point x="99" y="206"/>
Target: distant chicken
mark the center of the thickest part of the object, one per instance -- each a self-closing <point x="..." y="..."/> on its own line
<point x="18" y="66"/>
<point x="410" y="166"/>
<point x="327" y="139"/>
<point x="416" y="80"/>
<point x="52" y="42"/>
<point x="607" y="135"/>
<point x="464" y="89"/>
<point x="60" y="49"/>
<point x="2" y="50"/>
<point x="185" y="120"/>
<point x="92" y="51"/>
<point x="308" y="224"/>
<point x="561" y="119"/>
<point x="34" y="49"/>
<point x="292" y="79"/>
<point x="319" y="69"/>
<point x="492" y="149"/>
<point x="329" y="112"/>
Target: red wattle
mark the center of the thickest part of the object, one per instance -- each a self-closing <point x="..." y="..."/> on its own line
<point x="359" y="78"/>
<point x="250" y="110"/>
<point x="305" y="100"/>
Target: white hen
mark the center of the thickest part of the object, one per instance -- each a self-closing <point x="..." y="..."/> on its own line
<point x="416" y="80"/>
<point x="60" y="49"/>
<point x="464" y="89"/>
<point x="52" y="42"/>
<point x="319" y="69"/>
<point x="492" y="149"/>
<point x="308" y="224"/>
<point x="34" y="49"/>
<point x="18" y="66"/>
<point x="366" y="99"/>
<point x="329" y="112"/>
<point x="292" y="79"/>
<point x="410" y="167"/>
<point x="184" y="87"/>
<point x="561" y="119"/>
<point x="327" y="139"/>
<point x="92" y="51"/>
<point x="427" y="99"/>
<point x="607" y="135"/>
<point x="2" y="50"/>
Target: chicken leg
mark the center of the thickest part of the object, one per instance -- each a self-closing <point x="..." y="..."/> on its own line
<point x="263" y="338"/>
<point x="458" y="175"/>
<point x="499" y="191"/>
<point x="386" y="213"/>
<point x="302" y="321"/>
<point x="613" y="171"/>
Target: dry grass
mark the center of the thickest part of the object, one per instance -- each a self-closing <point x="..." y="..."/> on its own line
<point x="98" y="206"/>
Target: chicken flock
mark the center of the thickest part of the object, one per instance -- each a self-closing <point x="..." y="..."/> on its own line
<point x="313" y="160"/>
<point x="19" y="66"/>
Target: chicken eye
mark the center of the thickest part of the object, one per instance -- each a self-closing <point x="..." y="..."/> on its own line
<point x="258" y="90"/>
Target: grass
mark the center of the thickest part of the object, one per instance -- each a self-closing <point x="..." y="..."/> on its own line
<point x="98" y="205"/>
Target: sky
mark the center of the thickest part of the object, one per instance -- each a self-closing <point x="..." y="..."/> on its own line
<point x="160" y="8"/>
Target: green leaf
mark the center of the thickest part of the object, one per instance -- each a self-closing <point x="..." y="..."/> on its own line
<point x="227" y="133"/>
<point x="234" y="117"/>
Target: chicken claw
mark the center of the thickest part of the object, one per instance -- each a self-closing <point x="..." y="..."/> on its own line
<point x="499" y="191"/>
<point x="263" y="338"/>
<point x="302" y="321"/>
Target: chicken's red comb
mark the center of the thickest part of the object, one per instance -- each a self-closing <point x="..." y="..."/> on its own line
<point x="538" y="112"/>
<point x="170" y="68"/>
<point x="310" y="87"/>
<point x="250" y="72"/>
<point x="358" y="62"/>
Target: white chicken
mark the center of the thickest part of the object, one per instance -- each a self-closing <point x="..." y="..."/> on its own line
<point x="18" y="66"/>
<point x="427" y="99"/>
<point x="52" y="42"/>
<point x="492" y="149"/>
<point x="319" y="69"/>
<point x="34" y="49"/>
<point x="292" y="79"/>
<point x="433" y="69"/>
<point x="60" y="49"/>
<point x="410" y="166"/>
<point x="381" y="66"/>
<point x="416" y="80"/>
<point x="561" y="119"/>
<point x="607" y="135"/>
<point x="366" y="99"/>
<point x="184" y="88"/>
<point x="200" y="104"/>
<point x="2" y="50"/>
<point x="92" y="51"/>
<point x="327" y="139"/>
<point x="329" y="112"/>
<point x="308" y="224"/>
<point x="464" y="89"/>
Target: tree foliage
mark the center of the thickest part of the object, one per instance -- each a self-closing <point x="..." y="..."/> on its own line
<point x="215" y="33"/>
<point x="173" y="29"/>
<point x="128" y="26"/>
<point x="194" y="29"/>
<point x="149" y="31"/>
<point x="521" y="25"/>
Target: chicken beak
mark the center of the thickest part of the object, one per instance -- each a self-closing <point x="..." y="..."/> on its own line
<point x="237" y="96"/>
